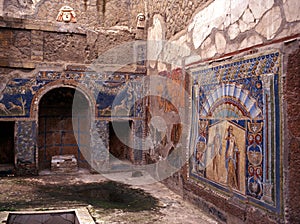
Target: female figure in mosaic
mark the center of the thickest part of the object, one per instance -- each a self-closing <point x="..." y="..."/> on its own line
<point x="231" y="158"/>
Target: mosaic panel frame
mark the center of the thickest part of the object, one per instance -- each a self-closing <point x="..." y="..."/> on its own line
<point x="236" y="133"/>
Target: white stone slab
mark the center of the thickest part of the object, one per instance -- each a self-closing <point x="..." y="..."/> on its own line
<point x="237" y="8"/>
<point x="270" y="23"/>
<point x="292" y="10"/>
<point x="220" y="42"/>
<point x="213" y="16"/>
<point x="259" y="7"/>
<point x="251" y="41"/>
<point x="233" y="31"/>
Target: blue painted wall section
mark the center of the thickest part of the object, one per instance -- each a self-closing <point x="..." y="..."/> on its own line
<point x="236" y="148"/>
<point x="118" y="90"/>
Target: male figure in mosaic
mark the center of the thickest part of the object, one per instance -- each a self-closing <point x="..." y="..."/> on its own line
<point x="231" y="158"/>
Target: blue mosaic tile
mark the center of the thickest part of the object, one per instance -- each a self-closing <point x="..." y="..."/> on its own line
<point x="16" y="98"/>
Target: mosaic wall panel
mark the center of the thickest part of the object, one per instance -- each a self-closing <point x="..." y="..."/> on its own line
<point x="99" y="155"/>
<point x="25" y="144"/>
<point x="25" y="147"/>
<point x="236" y="139"/>
<point x="118" y="90"/>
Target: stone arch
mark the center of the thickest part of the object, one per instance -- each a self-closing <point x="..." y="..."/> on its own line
<point x="58" y="84"/>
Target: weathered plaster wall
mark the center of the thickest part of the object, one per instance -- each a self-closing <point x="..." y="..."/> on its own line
<point x="230" y="34"/>
<point x="202" y="35"/>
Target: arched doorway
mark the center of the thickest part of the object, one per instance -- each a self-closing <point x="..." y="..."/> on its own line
<point x="56" y="133"/>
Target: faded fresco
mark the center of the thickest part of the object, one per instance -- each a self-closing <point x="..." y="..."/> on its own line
<point x="164" y="142"/>
<point x="235" y="144"/>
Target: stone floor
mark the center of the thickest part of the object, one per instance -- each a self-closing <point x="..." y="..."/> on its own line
<point x="107" y="201"/>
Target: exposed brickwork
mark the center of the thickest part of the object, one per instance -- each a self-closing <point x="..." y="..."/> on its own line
<point x="5" y="43"/>
<point x="292" y="89"/>
<point x="106" y="41"/>
<point x="37" y="45"/>
<point x="44" y="46"/>
<point x="59" y="46"/>
<point x="21" y="44"/>
<point x="15" y="43"/>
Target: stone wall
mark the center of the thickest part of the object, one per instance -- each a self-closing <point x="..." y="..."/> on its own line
<point x="31" y="35"/>
<point x="224" y="43"/>
<point x="225" y="27"/>
<point x="176" y="14"/>
<point x="25" y="44"/>
<point x="235" y="58"/>
<point x="92" y="13"/>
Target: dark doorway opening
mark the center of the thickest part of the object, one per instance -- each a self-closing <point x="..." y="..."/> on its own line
<point x="7" y="142"/>
<point x="120" y="142"/>
<point x="57" y="135"/>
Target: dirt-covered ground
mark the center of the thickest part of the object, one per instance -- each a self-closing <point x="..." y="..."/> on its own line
<point x="107" y="201"/>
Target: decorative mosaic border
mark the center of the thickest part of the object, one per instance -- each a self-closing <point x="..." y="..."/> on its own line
<point x="16" y="99"/>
